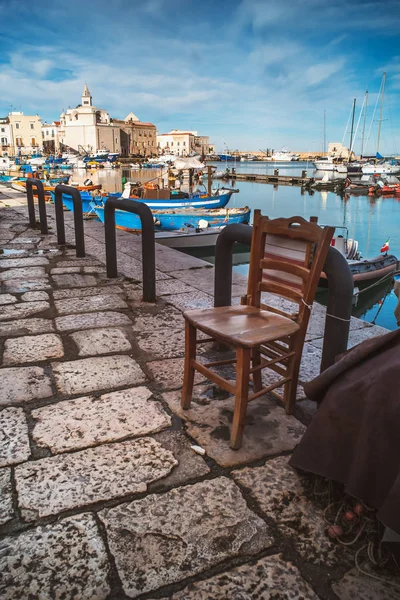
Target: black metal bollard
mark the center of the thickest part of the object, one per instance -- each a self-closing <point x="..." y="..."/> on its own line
<point x="36" y="183"/>
<point x="148" y="242"/>
<point x="78" y="217"/>
<point x="338" y="311"/>
<point x="340" y="289"/>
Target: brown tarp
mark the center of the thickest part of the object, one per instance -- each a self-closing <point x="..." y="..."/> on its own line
<point x="354" y="437"/>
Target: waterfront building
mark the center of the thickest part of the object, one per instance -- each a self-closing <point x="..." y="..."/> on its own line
<point x="337" y="150"/>
<point x="51" y="137"/>
<point x="183" y="143"/>
<point x="138" y="138"/>
<point x="87" y="128"/>
<point x="25" y="133"/>
<point x="5" y="136"/>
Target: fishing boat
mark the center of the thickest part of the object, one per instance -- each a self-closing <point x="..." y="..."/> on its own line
<point x="363" y="270"/>
<point x="48" y="187"/>
<point x="158" y="198"/>
<point x="381" y="168"/>
<point x="174" y="220"/>
<point x="189" y="237"/>
<point x="328" y="164"/>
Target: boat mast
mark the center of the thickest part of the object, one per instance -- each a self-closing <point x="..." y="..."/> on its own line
<point x="352" y="128"/>
<point x="324" y="148"/>
<point x="380" y="114"/>
<point x="365" y="117"/>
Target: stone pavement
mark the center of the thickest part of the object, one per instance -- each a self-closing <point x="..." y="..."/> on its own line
<point x="102" y="494"/>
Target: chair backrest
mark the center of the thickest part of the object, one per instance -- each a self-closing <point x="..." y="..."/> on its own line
<point x="287" y="257"/>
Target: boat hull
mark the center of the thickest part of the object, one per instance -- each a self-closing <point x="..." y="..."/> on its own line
<point x="203" y="238"/>
<point x="174" y="220"/>
<point x="369" y="270"/>
<point x="200" y="201"/>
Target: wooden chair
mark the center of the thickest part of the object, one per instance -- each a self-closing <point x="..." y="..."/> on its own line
<point x="287" y="257"/>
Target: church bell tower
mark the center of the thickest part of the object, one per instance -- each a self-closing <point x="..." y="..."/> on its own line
<point x="86" y="97"/>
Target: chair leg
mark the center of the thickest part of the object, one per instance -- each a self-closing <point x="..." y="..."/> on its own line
<point x="290" y="392"/>
<point x="243" y="356"/>
<point x="189" y="371"/>
<point x="257" y="376"/>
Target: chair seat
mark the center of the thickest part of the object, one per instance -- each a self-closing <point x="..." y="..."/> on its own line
<point x="241" y="325"/>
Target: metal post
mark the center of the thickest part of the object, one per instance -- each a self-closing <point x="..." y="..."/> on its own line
<point x="36" y="183"/>
<point x="338" y="311"/>
<point x="148" y="242"/>
<point x="78" y="217"/>
<point x="340" y="289"/>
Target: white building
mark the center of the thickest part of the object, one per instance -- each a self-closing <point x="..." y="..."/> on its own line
<point x="337" y="150"/>
<point x="51" y="137"/>
<point x="87" y="128"/>
<point x="5" y="137"/>
<point x="183" y="143"/>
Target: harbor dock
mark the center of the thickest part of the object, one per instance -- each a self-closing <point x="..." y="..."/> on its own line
<point x="275" y="179"/>
<point x="108" y="489"/>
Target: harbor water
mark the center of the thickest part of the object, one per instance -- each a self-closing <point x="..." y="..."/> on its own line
<point x="370" y="220"/>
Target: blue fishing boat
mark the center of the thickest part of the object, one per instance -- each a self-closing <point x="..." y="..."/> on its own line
<point x="86" y="198"/>
<point x="165" y="198"/>
<point x="173" y="220"/>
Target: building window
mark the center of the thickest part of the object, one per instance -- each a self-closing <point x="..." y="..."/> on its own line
<point x="32" y="126"/>
<point x="184" y="143"/>
<point x="172" y="143"/>
<point x="86" y="102"/>
<point x="19" y="141"/>
<point x="178" y="143"/>
<point x="16" y="125"/>
<point x="3" y="130"/>
<point x="52" y="133"/>
<point x="4" y="141"/>
<point x="33" y="142"/>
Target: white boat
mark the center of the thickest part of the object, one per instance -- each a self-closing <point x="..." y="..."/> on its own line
<point x="189" y="237"/>
<point x="283" y="156"/>
<point x="329" y="165"/>
<point x="380" y="169"/>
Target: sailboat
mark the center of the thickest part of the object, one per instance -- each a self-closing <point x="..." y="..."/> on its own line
<point x="381" y="167"/>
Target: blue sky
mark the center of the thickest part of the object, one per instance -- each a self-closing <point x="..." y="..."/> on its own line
<point x="250" y="74"/>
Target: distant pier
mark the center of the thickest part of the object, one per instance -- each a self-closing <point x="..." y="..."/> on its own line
<point x="274" y="179"/>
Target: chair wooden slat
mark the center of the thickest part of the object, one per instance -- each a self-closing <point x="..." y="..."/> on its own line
<point x="300" y="273"/>
<point x="286" y="291"/>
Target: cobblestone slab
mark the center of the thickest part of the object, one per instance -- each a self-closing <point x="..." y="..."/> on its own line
<point x="34" y="348"/>
<point x="20" y="311"/>
<point x="165" y="538"/>
<point x="22" y="273"/>
<point x="99" y="319"/>
<point x="89" y="291"/>
<point x="270" y="578"/>
<point x="89" y="421"/>
<point x="161" y="345"/>
<point x="24" y="326"/>
<point x="203" y="279"/>
<point x="280" y="492"/>
<point x="74" y="280"/>
<point x="166" y="319"/>
<point x="92" y="303"/>
<point x="7" y="299"/>
<point x="63" y="560"/>
<point x="34" y="296"/>
<point x="31" y="261"/>
<point x="100" y="373"/>
<point x="173" y="286"/>
<point x="6" y="505"/>
<point x="190" y="464"/>
<point x="93" y="342"/>
<point x="168" y="373"/>
<point x="20" y="384"/>
<point x="356" y="586"/>
<point x="18" y="286"/>
<point x="51" y="485"/>
<point x="14" y="442"/>
<point x="357" y="336"/>
<point x="195" y="299"/>
<point x="268" y="429"/>
<point x="310" y="365"/>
